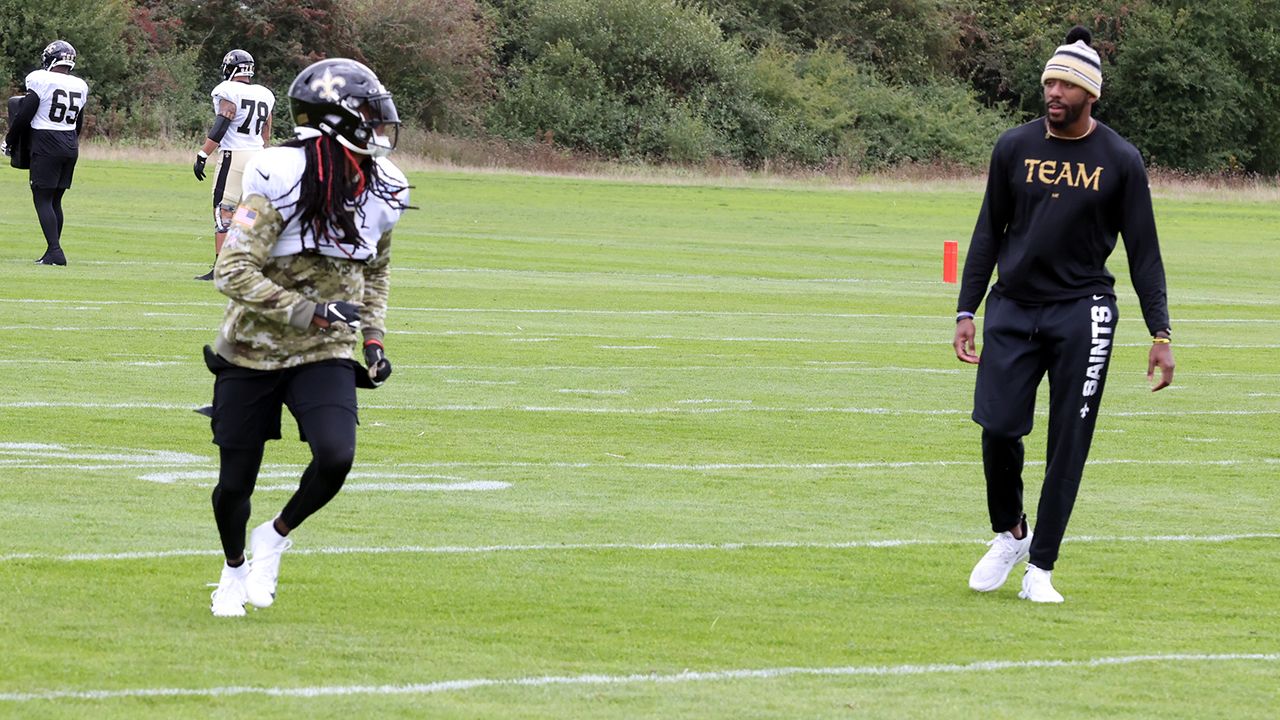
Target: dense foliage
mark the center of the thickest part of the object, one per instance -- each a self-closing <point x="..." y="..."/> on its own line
<point x="812" y="83"/>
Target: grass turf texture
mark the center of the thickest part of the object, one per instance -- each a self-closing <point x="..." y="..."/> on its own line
<point x="632" y="365"/>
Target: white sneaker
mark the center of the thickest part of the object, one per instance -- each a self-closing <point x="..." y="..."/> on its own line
<point x="994" y="567"/>
<point x="228" y="600"/>
<point x="265" y="545"/>
<point x="1038" y="587"/>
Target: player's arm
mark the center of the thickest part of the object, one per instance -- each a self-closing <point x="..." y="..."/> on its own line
<point x="373" y="311"/>
<point x="984" y="249"/>
<point x="266" y="133"/>
<point x="221" y="122"/>
<point x="238" y="272"/>
<point x="377" y="286"/>
<point x="1146" y="271"/>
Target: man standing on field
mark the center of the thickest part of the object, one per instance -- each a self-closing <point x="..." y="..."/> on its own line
<point x="1060" y="190"/>
<point x="241" y="127"/>
<point x="51" y="112"/>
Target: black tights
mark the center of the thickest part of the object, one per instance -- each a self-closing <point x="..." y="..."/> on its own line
<point x="331" y="433"/>
<point x="49" y="211"/>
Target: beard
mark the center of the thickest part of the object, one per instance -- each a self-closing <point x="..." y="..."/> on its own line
<point x="1070" y="114"/>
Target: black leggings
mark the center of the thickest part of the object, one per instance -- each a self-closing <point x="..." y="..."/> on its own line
<point x="331" y="433"/>
<point x="48" y="203"/>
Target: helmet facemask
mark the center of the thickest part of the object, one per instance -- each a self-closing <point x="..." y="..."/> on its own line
<point x="378" y="130"/>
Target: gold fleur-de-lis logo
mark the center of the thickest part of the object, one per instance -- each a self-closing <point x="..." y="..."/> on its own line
<point x="327" y="85"/>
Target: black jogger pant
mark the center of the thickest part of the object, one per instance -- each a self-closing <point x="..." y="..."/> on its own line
<point x="1072" y="342"/>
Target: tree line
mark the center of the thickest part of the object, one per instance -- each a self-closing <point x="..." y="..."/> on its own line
<point x="849" y="84"/>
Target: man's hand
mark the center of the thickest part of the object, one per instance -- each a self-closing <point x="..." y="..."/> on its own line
<point x="1161" y="356"/>
<point x="963" y="342"/>
<point x="333" y="312"/>
<point x="375" y="358"/>
<point x="4" y="148"/>
<point x="201" y="158"/>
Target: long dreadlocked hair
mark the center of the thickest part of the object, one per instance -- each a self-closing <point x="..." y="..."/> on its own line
<point x="334" y="179"/>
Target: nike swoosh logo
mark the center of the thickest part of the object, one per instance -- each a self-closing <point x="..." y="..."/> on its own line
<point x="1098" y="297"/>
<point x="264" y="175"/>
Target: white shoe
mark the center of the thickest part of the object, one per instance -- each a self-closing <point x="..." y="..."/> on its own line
<point x="265" y="545"/>
<point x="228" y="600"/>
<point x="994" y="567"/>
<point x="1038" y="587"/>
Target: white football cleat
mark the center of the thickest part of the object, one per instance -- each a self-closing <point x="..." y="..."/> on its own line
<point x="1038" y="587"/>
<point x="229" y="599"/>
<point x="994" y="567"/>
<point x="266" y="546"/>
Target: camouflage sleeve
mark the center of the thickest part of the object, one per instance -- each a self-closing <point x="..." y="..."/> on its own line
<point x="377" y="285"/>
<point x="238" y="271"/>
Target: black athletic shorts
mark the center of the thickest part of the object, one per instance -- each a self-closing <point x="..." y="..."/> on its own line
<point x="247" y="403"/>
<point x="52" y="172"/>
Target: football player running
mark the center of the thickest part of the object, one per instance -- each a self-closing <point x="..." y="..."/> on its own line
<point x="52" y="111"/>
<point x="241" y="127"/>
<point x="306" y="268"/>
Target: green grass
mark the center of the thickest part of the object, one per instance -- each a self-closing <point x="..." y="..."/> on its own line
<point x="709" y="407"/>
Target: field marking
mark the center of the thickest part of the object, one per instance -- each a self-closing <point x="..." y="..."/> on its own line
<point x="688" y="410"/>
<point x="807" y="366"/>
<point x="467" y="486"/>
<point x="637" y="547"/>
<point x="452" y="484"/>
<point x="512" y="336"/>
<point x="171" y="467"/>
<point x="686" y="676"/>
<point x="217" y="308"/>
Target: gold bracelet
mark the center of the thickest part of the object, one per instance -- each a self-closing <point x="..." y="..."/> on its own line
<point x="1159" y="341"/>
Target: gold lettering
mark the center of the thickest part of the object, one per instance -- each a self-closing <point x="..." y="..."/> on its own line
<point x="1090" y="180"/>
<point x="1031" y="167"/>
<point x="1046" y="171"/>
<point x="1066" y="173"/>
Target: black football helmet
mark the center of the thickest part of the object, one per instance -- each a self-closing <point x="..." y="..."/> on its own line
<point x="345" y="100"/>
<point x="237" y="63"/>
<point x="59" y="52"/>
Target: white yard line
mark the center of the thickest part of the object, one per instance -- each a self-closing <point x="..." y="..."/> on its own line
<point x="651" y="678"/>
<point x="686" y="410"/>
<point x="217" y="309"/>
<point x="552" y="337"/>
<point x="632" y="547"/>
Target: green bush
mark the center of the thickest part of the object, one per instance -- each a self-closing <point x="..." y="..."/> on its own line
<point x="837" y="109"/>
<point x="631" y="78"/>
<point x="564" y="97"/>
<point x="434" y="55"/>
<point x="906" y="41"/>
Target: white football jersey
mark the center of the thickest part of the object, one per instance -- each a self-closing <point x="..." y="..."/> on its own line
<point x="254" y="104"/>
<point x="62" y="98"/>
<point x="275" y="174"/>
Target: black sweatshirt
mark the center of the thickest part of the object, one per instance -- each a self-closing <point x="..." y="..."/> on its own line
<point x="1050" y="218"/>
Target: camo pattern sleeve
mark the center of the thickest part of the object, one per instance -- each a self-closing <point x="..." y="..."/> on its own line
<point x="377" y="285"/>
<point x="272" y="299"/>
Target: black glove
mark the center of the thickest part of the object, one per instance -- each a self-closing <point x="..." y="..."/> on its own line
<point x="375" y="358"/>
<point x="340" y="311"/>
<point x="199" y="166"/>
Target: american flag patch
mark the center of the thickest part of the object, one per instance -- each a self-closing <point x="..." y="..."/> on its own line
<point x="245" y="216"/>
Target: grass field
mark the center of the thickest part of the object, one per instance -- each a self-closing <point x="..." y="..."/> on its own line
<point x="648" y="451"/>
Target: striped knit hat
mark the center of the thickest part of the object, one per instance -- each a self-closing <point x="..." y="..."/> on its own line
<point x="1076" y="62"/>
